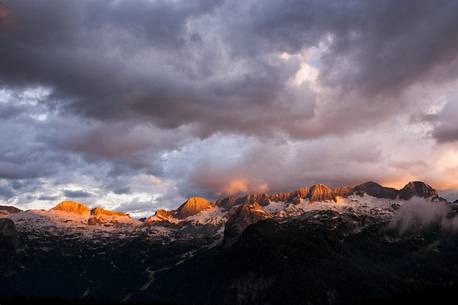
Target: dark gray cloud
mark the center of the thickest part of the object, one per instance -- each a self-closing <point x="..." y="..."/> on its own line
<point x="447" y="132"/>
<point x="145" y="72"/>
<point x="122" y="190"/>
<point x="18" y="184"/>
<point x="6" y="192"/>
<point x="48" y="198"/>
<point x="76" y="194"/>
<point x="9" y="111"/>
<point x="22" y="156"/>
<point x="214" y="64"/>
<point x="446" y="123"/>
<point x="117" y="89"/>
<point x="390" y="45"/>
<point x="136" y="207"/>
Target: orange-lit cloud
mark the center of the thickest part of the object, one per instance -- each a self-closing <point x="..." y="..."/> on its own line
<point x="242" y="186"/>
<point x="400" y="182"/>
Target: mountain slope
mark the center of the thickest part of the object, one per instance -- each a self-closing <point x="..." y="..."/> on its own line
<point x="317" y="245"/>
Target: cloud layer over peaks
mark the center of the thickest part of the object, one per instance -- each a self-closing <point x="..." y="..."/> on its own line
<point x="212" y="97"/>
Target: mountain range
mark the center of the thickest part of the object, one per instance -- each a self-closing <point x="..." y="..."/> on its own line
<point x="317" y="245"/>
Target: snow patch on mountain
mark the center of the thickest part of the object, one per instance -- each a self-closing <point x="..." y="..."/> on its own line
<point x="214" y="215"/>
<point x="275" y="206"/>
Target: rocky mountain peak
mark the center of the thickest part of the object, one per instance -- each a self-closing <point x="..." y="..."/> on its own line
<point x="376" y="190"/>
<point x="160" y="215"/>
<point x="101" y="216"/>
<point x="192" y="206"/>
<point x="7" y="210"/>
<point x="241" y="218"/>
<point x="101" y="211"/>
<point x="301" y="192"/>
<point x="417" y="188"/>
<point x="262" y="199"/>
<point x="71" y="207"/>
<point x="321" y="192"/>
<point x="280" y="197"/>
<point x="227" y="202"/>
<point x="343" y="191"/>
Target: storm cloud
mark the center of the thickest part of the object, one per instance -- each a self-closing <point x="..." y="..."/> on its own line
<point x="212" y="97"/>
<point x="76" y="194"/>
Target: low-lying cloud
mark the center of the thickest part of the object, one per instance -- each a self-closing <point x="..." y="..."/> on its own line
<point x="419" y="214"/>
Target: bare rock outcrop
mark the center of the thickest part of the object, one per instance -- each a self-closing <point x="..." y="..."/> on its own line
<point x="262" y="199"/>
<point x="160" y="216"/>
<point x="8" y="210"/>
<point x="299" y="194"/>
<point x="101" y="211"/>
<point x="192" y="206"/>
<point x="227" y="202"/>
<point x="9" y="238"/>
<point x="376" y="190"/>
<point x="280" y="197"/>
<point x="417" y="188"/>
<point x="72" y="207"/>
<point x="101" y="216"/>
<point x="242" y="217"/>
<point x="321" y="192"/>
<point x="343" y="191"/>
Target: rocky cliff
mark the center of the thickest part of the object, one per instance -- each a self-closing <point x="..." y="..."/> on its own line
<point x="72" y="207"/>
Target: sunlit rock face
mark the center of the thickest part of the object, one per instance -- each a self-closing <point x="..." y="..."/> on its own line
<point x="416" y="188"/>
<point x="301" y="192"/>
<point x="262" y="199"/>
<point x="281" y="244"/>
<point x="296" y="196"/>
<point x="321" y="192"/>
<point x="72" y="207"/>
<point x="292" y="197"/>
<point x="101" y="216"/>
<point x="8" y="210"/>
<point x="160" y="215"/>
<point x="376" y="190"/>
<point x="102" y="211"/>
<point x="343" y="191"/>
<point x="280" y="197"/>
<point x="241" y="218"/>
<point x="227" y="202"/>
<point x="192" y="206"/>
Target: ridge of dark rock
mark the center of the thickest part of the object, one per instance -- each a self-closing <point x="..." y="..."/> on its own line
<point x="9" y="209"/>
<point x="417" y="188"/>
<point x="241" y="218"/>
<point x="343" y="191"/>
<point x="376" y="190"/>
<point x="9" y="238"/>
<point x="262" y="199"/>
<point x="227" y="202"/>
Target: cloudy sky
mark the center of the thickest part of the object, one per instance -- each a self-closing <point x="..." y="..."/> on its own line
<point x="136" y="105"/>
